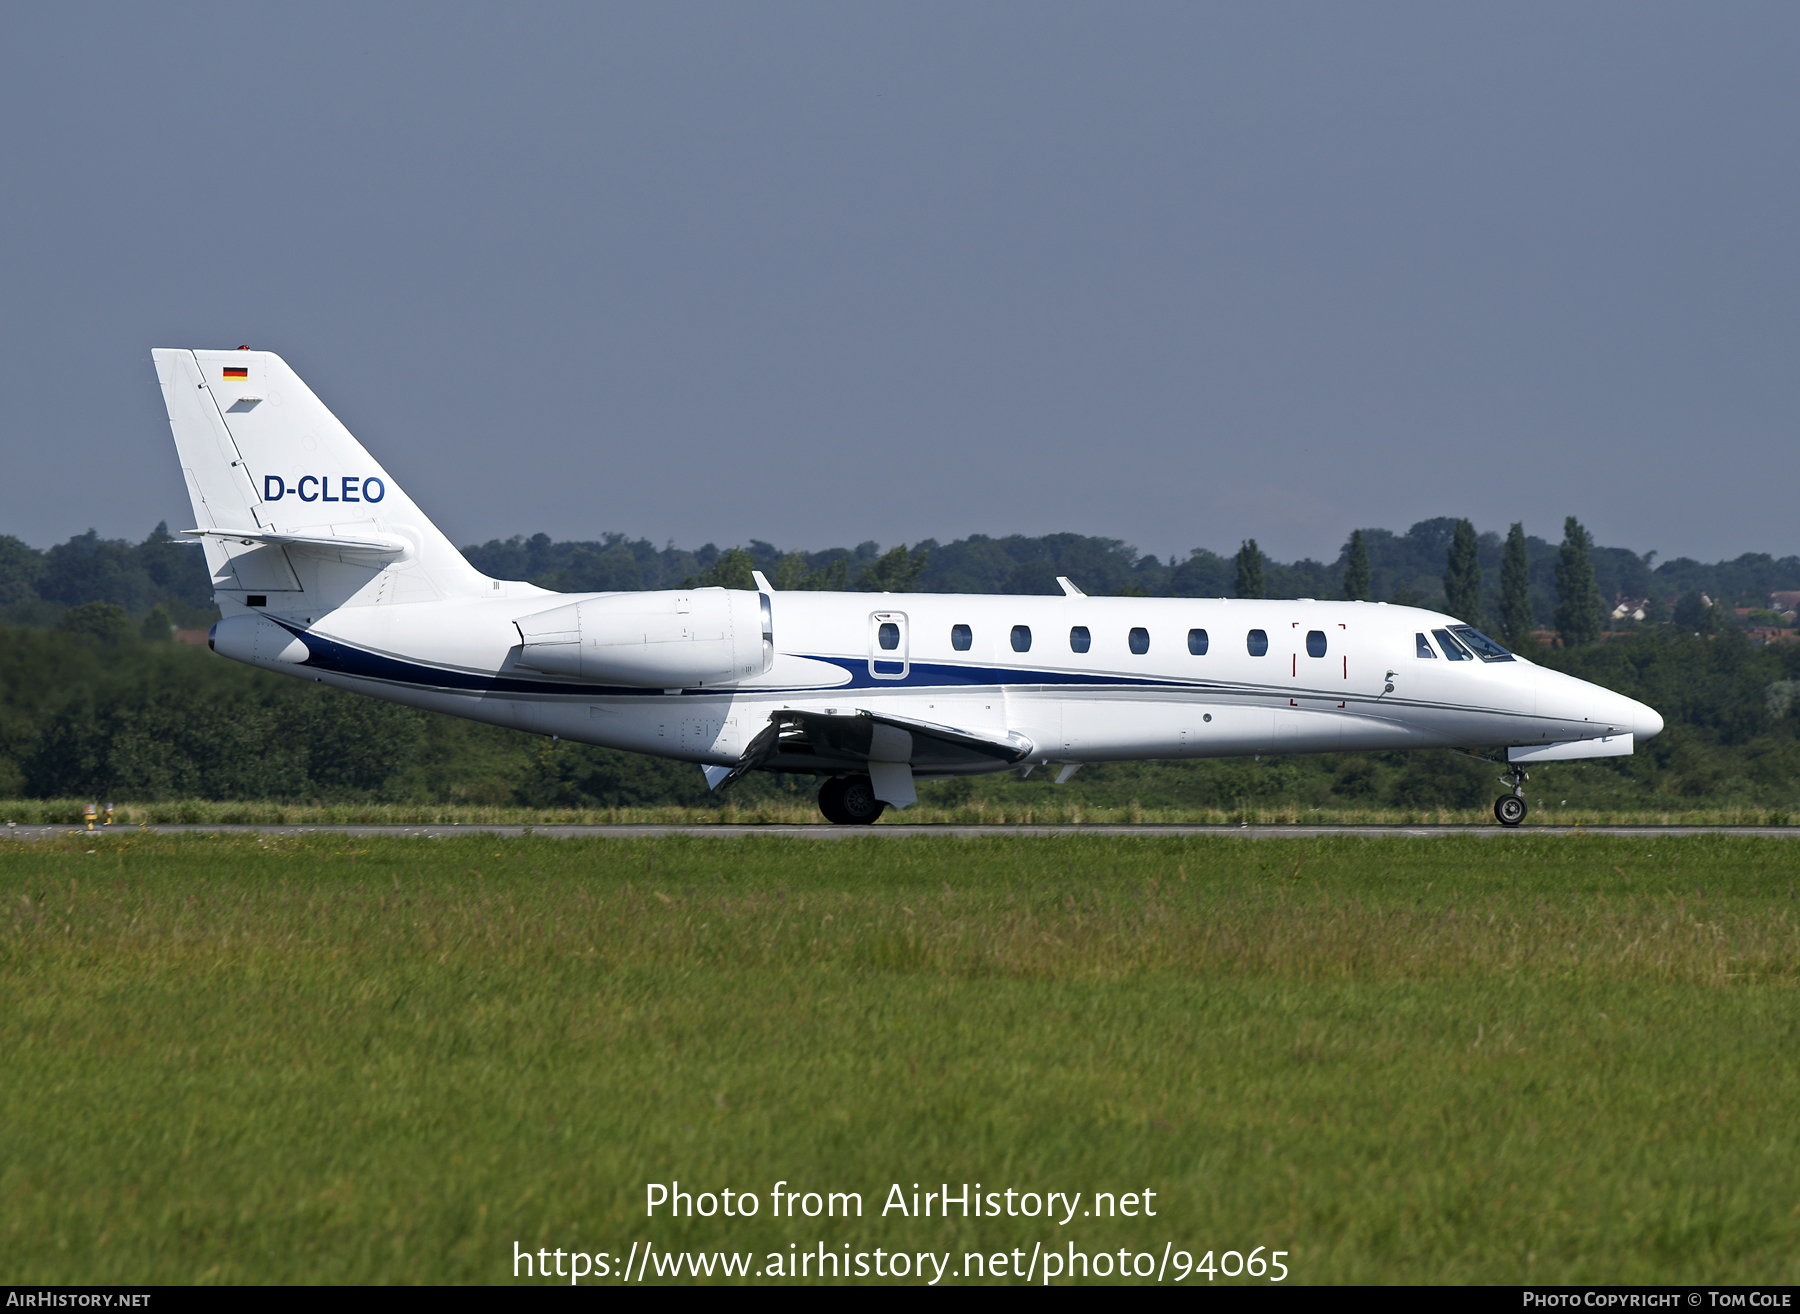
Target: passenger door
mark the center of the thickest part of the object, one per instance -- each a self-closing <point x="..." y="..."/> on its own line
<point x="1318" y="672"/>
<point x="888" y="645"/>
<point x="1318" y="663"/>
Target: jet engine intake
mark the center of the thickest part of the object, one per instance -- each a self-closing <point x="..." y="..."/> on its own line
<point x="673" y="639"/>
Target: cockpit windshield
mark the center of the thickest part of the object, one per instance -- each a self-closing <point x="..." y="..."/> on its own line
<point x="1485" y="648"/>
<point x="1452" y="649"/>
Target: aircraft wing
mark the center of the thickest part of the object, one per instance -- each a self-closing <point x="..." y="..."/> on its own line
<point x="801" y="740"/>
<point x="363" y="543"/>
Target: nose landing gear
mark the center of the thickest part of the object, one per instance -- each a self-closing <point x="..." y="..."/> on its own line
<point x="1509" y="809"/>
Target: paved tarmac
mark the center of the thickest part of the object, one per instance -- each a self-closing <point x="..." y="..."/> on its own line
<point x="824" y="832"/>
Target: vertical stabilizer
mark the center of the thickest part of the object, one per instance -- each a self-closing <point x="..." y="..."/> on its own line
<point x="261" y="454"/>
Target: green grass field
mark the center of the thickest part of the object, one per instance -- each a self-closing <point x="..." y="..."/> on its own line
<point x="325" y="1060"/>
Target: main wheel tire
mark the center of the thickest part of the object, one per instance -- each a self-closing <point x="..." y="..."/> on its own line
<point x="850" y="801"/>
<point x="1509" y="809"/>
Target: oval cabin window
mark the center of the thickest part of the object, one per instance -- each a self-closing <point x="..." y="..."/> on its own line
<point x="1021" y="638"/>
<point x="1079" y="639"/>
<point x="961" y="637"/>
<point x="1315" y="643"/>
<point x="888" y="636"/>
<point x="1139" y="639"/>
<point x="1258" y="643"/>
<point x="1197" y="642"/>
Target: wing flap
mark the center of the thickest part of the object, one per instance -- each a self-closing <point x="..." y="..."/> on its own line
<point x="854" y="740"/>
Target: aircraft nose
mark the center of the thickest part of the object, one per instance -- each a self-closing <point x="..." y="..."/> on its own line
<point x="1568" y="699"/>
<point x="1643" y="722"/>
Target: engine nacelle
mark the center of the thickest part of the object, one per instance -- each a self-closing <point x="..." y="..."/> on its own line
<point x="677" y="639"/>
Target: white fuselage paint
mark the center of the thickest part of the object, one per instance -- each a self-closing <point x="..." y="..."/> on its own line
<point x="324" y="568"/>
<point x="461" y="656"/>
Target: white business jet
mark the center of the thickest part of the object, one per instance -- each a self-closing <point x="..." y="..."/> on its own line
<point x="325" y="569"/>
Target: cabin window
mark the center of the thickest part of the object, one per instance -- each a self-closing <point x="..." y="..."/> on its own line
<point x="1139" y="639"/>
<point x="1452" y="649"/>
<point x="1079" y="639"/>
<point x="1197" y="642"/>
<point x="888" y="636"/>
<point x="961" y="637"/>
<point x="1422" y="646"/>
<point x="1021" y="638"/>
<point x="1258" y="643"/>
<point x="1315" y="643"/>
<point x="1485" y="648"/>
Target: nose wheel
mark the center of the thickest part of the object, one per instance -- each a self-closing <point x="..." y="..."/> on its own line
<point x="1509" y="809"/>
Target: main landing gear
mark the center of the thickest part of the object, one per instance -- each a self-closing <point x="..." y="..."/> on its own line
<point x="1509" y="809"/>
<point x="850" y="801"/>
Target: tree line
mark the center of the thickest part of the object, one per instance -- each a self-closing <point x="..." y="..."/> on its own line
<point x="1514" y="583"/>
<point x="1373" y="564"/>
<point x="1581" y="612"/>
<point x="96" y="702"/>
<point x="93" y="709"/>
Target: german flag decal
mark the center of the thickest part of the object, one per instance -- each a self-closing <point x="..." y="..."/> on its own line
<point x="236" y="372"/>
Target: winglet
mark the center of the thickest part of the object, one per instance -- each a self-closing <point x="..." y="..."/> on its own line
<point x="1068" y="587"/>
<point x="762" y="581"/>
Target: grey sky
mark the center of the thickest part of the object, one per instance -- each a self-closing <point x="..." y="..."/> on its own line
<point x="818" y="274"/>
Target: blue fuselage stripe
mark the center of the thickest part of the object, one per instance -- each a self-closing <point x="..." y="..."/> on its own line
<point x="336" y="658"/>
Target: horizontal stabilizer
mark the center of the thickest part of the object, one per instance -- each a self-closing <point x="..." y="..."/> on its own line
<point x="364" y="543"/>
<point x="1571" y="749"/>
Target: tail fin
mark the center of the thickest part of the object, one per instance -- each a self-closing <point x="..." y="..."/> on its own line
<point x="287" y="502"/>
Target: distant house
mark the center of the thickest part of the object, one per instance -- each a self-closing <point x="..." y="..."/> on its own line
<point x="1629" y="608"/>
<point x="1786" y="603"/>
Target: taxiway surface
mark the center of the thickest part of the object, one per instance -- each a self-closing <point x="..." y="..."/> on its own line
<point x="903" y="831"/>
